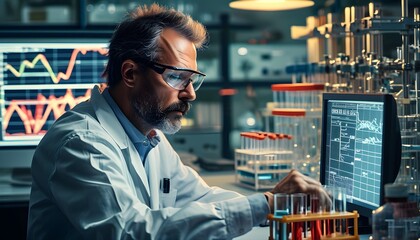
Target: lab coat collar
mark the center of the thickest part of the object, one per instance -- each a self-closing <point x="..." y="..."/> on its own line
<point x="111" y="124"/>
<point x="108" y="119"/>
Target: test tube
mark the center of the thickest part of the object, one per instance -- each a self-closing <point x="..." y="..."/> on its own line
<point x="281" y="208"/>
<point x="339" y="200"/>
<point x="298" y="95"/>
<point x="316" y="226"/>
<point x="298" y="207"/>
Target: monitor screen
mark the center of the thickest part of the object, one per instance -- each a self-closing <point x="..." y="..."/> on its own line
<point x="361" y="147"/>
<point x="40" y="81"/>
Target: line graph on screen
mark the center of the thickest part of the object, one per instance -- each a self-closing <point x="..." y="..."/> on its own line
<point x="43" y="59"/>
<point x="39" y="82"/>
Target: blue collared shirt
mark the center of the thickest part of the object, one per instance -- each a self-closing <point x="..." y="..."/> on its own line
<point x="141" y="142"/>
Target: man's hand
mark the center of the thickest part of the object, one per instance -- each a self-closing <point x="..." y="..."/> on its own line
<point x="296" y="182"/>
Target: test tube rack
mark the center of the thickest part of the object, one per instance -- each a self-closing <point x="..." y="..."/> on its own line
<point x="262" y="160"/>
<point x="313" y="217"/>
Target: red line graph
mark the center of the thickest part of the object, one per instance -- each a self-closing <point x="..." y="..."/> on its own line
<point x="33" y="123"/>
<point x="43" y="59"/>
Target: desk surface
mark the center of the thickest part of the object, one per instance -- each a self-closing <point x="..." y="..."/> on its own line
<point x="11" y="190"/>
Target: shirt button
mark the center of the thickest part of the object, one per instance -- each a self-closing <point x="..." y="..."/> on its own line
<point x="145" y="143"/>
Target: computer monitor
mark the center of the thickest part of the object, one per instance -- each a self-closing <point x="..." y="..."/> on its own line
<point x="39" y="81"/>
<point x="361" y="147"/>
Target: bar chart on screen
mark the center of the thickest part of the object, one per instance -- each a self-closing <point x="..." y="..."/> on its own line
<point x="40" y="81"/>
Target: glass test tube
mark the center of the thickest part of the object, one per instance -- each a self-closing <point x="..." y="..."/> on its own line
<point x="298" y="207"/>
<point x="338" y="198"/>
<point x="281" y="208"/>
<point x="298" y="95"/>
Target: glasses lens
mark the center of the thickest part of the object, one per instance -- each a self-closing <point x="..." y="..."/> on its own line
<point x="179" y="79"/>
<point x="176" y="79"/>
<point x="197" y="80"/>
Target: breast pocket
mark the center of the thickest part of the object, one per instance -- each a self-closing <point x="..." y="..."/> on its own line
<point x="167" y="199"/>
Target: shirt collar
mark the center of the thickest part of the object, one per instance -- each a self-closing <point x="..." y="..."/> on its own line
<point x="151" y="140"/>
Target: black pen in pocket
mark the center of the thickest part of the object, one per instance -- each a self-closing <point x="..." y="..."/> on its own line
<point x="166" y="185"/>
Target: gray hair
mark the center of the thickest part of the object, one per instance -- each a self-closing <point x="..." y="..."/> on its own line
<point x="138" y="36"/>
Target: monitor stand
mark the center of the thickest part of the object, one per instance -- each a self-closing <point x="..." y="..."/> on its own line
<point x="365" y="226"/>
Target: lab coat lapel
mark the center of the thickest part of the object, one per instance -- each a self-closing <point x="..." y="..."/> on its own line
<point x="111" y="124"/>
<point x="152" y="166"/>
<point x="141" y="172"/>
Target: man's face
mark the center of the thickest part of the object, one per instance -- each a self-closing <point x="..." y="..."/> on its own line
<point x="153" y="112"/>
<point x="155" y="102"/>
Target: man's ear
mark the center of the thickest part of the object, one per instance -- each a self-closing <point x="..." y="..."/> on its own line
<point x="128" y="68"/>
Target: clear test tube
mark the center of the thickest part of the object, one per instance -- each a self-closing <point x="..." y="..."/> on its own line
<point x="239" y="155"/>
<point x="280" y="144"/>
<point x="290" y="122"/>
<point x="340" y="201"/>
<point x="304" y="126"/>
<point x="272" y="139"/>
<point x="298" y="203"/>
<point x="284" y="154"/>
<point x="289" y="141"/>
<point x="298" y="95"/>
<point x="281" y="208"/>
<point x="286" y="142"/>
<point x="248" y="145"/>
<point x="316" y="206"/>
<point x="244" y="138"/>
<point x="268" y="144"/>
<point x="264" y="142"/>
<point x="338" y="196"/>
<point x="259" y="150"/>
<point x="251" y="151"/>
<point x="312" y="142"/>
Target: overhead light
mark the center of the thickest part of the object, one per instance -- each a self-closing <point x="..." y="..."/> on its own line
<point x="270" y="5"/>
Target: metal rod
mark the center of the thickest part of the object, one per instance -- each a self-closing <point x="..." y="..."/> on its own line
<point x="358" y="12"/>
<point x="404" y="8"/>
<point x="348" y="38"/>
<point x="417" y="57"/>
<point x="405" y="60"/>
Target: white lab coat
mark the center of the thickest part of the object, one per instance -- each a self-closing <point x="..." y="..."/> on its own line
<point x="82" y="187"/>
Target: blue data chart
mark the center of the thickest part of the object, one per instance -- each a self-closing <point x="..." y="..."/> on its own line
<point x="40" y="81"/>
<point x="355" y="149"/>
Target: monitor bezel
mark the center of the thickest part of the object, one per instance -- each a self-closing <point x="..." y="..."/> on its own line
<point x="391" y="146"/>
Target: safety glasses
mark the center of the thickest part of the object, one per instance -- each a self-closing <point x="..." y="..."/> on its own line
<point x="177" y="78"/>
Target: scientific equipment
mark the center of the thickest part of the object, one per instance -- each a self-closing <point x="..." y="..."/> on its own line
<point x="338" y="197"/>
<point x="352" y="56"/>
<point x="298" y="207"/>
<point x="293" y="220"/>
<point x="297" y="111"/>
<point x="305" y="125"/>
<point x="263" y="159"/>
<point x="360" y="148"/>
<point x="298" y="95"/>
<point x="282" y="208"/>
<point x="397" y="218"/>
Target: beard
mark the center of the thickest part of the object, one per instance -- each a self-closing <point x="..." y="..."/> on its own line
<point x="149" y="110"/>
